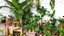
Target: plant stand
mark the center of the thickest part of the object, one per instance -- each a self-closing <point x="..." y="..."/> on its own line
<point x="31" y="33"/>
<point x="17" y="32"/>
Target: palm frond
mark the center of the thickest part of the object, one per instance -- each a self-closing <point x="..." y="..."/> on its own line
<point x="9" y="3"/>
<point x="16" y="4"/>
<point x="5" y="6"/>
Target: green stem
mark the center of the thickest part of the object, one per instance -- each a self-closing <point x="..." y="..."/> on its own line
<point x="41" y="19"/>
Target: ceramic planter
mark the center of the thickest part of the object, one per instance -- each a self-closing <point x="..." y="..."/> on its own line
<point x="29" y="33"/>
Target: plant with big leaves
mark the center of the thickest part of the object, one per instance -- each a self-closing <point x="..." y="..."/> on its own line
<point x="17" y="8"/>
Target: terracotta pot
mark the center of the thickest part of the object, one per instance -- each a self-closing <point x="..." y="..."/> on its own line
<point x="62" y="24"/>
<point x="41" y="35"/>
<point x="42" y="25"/>
<point x="55" y="35"/>
<point x="9" y="20"/>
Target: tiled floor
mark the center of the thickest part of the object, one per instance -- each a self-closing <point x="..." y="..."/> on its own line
<point x="2" y="26"/>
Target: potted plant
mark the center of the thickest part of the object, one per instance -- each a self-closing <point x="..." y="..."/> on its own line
<point x="19" y="9"/>
<point x="10" y="19"/>
<point x="32" y="27"/>
<point x="61" y="20"/>
<point x="3" y="19"/>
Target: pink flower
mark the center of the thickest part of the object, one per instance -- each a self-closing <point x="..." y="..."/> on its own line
<point x="38" y="22"/>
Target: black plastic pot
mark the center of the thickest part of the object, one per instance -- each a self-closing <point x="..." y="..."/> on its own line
<point x="3" y="21"/>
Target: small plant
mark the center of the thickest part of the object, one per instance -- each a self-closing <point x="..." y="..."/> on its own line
<point x="2" y="31"/>
<point x="61" y="20"/>
<point x="60" y="30"/>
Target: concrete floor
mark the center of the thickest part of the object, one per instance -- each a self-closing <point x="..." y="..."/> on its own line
<point x="2" y="26"/>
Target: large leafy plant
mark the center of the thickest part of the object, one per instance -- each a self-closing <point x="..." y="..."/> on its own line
<point x="33" y="24"/>
<point x="17" y="8"/>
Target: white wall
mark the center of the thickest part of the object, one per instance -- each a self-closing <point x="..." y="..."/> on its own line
<point x="4" y="11"/>
<point x="59" y="7"/>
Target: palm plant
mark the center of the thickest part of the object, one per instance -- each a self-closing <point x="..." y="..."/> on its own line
<point x="17" y="8"/>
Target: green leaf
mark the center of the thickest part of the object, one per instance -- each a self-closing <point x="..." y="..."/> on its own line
<point x="52" y="4"/>
<point x="20" y="12"/>
<point x="53" y="13"/>
<point x="15" y="4"/>
<point x="9" y="3"/>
